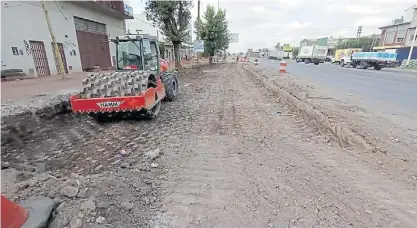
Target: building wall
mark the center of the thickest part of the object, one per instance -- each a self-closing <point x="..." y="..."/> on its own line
<point x="304" y="43"/>
<point x="141" y="23"/>
<point x="409" y="37"/>
<point x="25" y="21"/>
<point x="396" y="35"/>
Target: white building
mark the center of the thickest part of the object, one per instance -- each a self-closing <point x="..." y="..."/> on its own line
<point x="143" y="26"/>
<point x="81" y="28"/>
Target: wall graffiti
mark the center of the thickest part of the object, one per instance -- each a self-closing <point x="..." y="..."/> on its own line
<point x="27" y="47"/>
<point x="69" y="45"/>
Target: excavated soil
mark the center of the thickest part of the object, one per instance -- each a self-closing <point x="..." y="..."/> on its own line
<point x="227" y="153"/>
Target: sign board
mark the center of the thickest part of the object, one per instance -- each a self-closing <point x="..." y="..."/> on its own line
<point x="233" y="38"/>
<point x="322" y="41"/>
<point x="198" y="46"/>
<point x="128" y="10"/>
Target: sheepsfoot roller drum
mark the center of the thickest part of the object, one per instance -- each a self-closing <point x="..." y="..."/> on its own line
<point x="137" y="87"/>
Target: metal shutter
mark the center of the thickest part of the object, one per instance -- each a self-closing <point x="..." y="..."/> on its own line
<point x="89" y="26"/>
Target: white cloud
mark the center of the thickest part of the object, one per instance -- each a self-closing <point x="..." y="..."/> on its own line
<point x="372" y="21"/>
<point x="263" y="23"/>
<point x="259" y="9"/>
<point x="299" y="25"/>
<point x="361" y="9"/>
<point x="290" y="3"/>
<point x="342" y="32"/>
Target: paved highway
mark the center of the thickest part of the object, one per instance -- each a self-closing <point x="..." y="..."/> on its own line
<point x="396" y="88"/>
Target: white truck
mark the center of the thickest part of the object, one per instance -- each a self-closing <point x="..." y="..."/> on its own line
<point x="312" y="54"/>
<point x="377" y="60"/>
<point x="276" y="54"/>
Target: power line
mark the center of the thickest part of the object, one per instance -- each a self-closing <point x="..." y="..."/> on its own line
<point x="60" y="11"/>
<point x="6" y="5"/>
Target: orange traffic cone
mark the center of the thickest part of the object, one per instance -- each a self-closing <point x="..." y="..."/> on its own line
<point x="12" y="215"/>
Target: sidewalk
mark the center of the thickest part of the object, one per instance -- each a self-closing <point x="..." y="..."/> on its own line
<point x="21" y="89"/>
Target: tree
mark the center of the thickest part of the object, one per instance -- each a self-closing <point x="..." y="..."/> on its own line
<point x="214" y="31"/>
<point x="278" y="46"/>
<point x="295" y="51"/>
<point x="161" y="49"/>
<point x="364" y="43"/>
<point x="173" y="18"/>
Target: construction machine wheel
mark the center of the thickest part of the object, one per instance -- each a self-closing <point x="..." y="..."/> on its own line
<point x="170" y="81"/>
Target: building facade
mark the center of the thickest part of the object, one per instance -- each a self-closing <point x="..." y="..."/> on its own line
<point x="82" y="30"/>
<point x="400" y="33"/>
<point x="308" y="42"/>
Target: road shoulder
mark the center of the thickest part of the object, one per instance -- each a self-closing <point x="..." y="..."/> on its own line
<point x="393" y="136"/>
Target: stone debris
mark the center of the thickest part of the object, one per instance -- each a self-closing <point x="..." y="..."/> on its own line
<point x="69" y="191"/>
<point x="153" y="154"/>
<point x="76" y="222"/>
<point x="88" y="205"/>
<point x="127" y="206"/>
<point x="100" y="219"/>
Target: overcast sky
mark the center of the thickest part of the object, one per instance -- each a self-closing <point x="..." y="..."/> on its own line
<point x="263" y="23"/>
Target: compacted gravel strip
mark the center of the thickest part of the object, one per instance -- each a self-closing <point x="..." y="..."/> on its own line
<point x="225" y="154"/>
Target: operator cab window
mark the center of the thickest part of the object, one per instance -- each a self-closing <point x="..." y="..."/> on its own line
<point x="150" y="53"/>
<point x="128" y="55"/>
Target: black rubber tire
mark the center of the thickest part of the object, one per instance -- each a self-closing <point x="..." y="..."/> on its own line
<point x="376" y="67"/>
<point x="316" y="63"/>
<point x="171" y="85"/>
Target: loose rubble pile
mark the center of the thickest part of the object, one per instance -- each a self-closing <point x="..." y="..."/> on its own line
<point x="21" y="118"/>
<point x="97" y="174"/>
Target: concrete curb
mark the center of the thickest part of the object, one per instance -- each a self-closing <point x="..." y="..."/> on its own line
<point x="340" y="132"/>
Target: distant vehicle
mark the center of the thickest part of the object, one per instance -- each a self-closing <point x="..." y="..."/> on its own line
<point x="256" y="61"/>
<point x="287" y="55"/>
<point x="276" y="54"/>
<point x="312" y="54"/>
<point x="377" y="60"/>
<point x="342" y="56"/>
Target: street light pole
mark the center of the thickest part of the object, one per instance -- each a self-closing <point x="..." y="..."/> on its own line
<point x="198" y="32"/>
<point x="412" y="47"/>
<point x="414" y="37"/>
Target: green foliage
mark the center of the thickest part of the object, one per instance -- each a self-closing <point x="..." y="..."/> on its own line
<point x="213" y="30"/>
<point x="364" y="43"/>
<point x="295" y="51"/>
<point x="173" y="18"/>
<point x="278" y="46"/>
<point x="161" y="45"/>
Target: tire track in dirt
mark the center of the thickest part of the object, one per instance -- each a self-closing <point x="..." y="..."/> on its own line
<point x="248" y="166"/>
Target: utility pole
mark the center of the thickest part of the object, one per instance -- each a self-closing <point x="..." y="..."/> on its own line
<point x="373" y="42"/>
<point x="198" y="32"/>
<point x="56" y="49"/>
<point x="358" y="34"/>
<point x="415" y="33"/>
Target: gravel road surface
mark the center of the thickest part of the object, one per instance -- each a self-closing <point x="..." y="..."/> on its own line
<point x="225" y="154"/>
